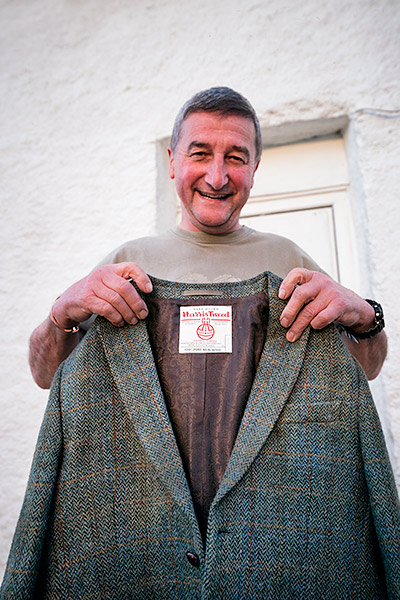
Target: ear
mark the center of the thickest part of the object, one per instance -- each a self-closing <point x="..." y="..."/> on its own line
<point x="171" y="163"/>
<point x="254" y="172"/>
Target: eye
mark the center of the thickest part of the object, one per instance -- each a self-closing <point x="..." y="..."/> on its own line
<point x="236" y="159"/>
<point x="198" y="155"/>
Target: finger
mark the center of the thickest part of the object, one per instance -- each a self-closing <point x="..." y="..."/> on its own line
<point x="301" y="296"/>
<point x="319" y="314"/>
<point x="295" y="277"/>
<point x="303" y="319"/>
<point x="325" y="317"/>
<point x="102" y="307"/>
<point x="132" y="270"/>
<point x="122" y="296"/>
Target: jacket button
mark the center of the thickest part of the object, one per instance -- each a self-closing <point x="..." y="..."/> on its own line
<point x="193" y="559"/>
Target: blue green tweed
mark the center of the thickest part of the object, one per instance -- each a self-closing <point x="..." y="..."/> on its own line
<point x="307" y="508"/>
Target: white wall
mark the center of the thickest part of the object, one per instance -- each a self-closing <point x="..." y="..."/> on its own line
<point x="88" y="87"/>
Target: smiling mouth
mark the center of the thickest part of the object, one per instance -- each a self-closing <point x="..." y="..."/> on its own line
<point x="214" y="196"/>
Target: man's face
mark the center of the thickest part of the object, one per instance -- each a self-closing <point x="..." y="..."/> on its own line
<point x="213" y="167"/>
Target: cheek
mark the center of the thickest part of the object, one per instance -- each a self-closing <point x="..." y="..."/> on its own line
<point x="187" y="175"/>
<point x="243" y="182"/>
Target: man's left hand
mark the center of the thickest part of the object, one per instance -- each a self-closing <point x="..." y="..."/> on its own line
<point x="317" y="300"/>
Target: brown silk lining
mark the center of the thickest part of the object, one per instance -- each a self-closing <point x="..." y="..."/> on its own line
<point x="206" y="394"/>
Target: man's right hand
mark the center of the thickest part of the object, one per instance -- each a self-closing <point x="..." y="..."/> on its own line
<point x="106" y="291"/>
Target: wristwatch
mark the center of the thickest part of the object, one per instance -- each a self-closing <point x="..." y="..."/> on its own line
<point x="377" y="327"/>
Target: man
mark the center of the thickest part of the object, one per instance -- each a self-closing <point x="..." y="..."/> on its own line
<point x="257" y="471"/>
<point x="215" y="151"/>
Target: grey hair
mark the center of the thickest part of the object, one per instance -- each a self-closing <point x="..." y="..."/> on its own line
<point x="220" y="100"/>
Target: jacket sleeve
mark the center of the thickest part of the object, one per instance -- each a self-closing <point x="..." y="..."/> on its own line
<point x="25" y="554"/>
<point x="383" y="496"/>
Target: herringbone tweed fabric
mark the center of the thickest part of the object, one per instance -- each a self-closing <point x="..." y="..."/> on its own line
<point x="307" y="508"/>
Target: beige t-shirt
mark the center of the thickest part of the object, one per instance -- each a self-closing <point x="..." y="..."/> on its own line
<point x="195" y="257"/>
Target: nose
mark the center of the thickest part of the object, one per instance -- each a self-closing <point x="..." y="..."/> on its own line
<point x="217" y="173"/>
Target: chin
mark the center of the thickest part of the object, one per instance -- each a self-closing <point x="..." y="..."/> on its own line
<point x="214" y="221"/>
<point x="216" y="227"/>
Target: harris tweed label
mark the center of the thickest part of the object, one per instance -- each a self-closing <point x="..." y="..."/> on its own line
<point x="205" y="329"/>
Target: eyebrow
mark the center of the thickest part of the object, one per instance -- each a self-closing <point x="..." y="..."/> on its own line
<point x="241" y="149"/>
<point x="196" y="144"/>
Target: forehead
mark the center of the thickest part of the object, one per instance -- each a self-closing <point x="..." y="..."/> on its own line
<point x="218" y="130"/>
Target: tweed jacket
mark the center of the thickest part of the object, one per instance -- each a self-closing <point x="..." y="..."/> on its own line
<point x="307" y="507"/>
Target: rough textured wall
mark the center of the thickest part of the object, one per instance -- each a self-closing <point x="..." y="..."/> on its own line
<point x="87" y="88"/>
<point x="379" y="152"/>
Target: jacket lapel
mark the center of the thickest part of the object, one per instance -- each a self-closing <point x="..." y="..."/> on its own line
<point x="132" y="366"/>
<point x="276" y="375"/>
